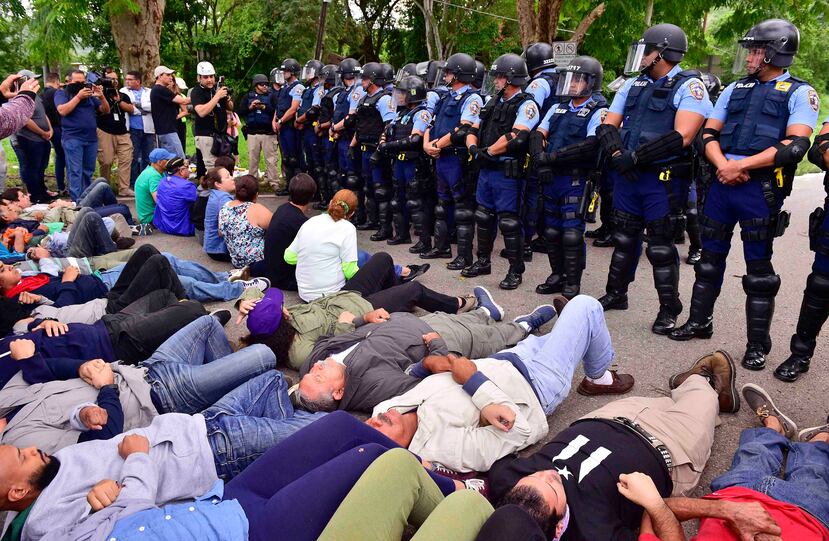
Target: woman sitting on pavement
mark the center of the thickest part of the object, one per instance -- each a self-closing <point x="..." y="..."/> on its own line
<point x="243" y="222"/>
<point x="325" y="254"/>
<point x="221" y="185"/>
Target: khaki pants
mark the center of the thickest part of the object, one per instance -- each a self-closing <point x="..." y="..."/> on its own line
<point x="267" y="145"/>
<point x="474" y="334"/>
<point x="112" y="148"/>
<point x="204" y="143"/>
<point x="684" y="422"/>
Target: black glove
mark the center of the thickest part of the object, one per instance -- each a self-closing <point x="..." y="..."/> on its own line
<point x="544" y="159"/>
<point x="479" y="154"/>
<point x="381" y="148"/>
<point x="625" y="164"/>
<point x="352" y="153"/>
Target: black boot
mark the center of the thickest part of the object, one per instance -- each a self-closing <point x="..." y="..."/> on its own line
<point x="665" y="263"/>
<point x="465" y="229"/>
<point x="441" y="249"/>
<point x="423" y="221"/>
<point x="573" y="259"/>
<point x="813" y="313"/>
<point x="619" y="275"/>
<point x="700" y="322"/>
<point x="760" y="292"/>
<point x="555" y="254"/>
<point x="510" y="227"/>
<point x="384" y="218"/>
<point x="486" y="221"/>
<point x="400" y="222"/>
<point x="694" y="238"/>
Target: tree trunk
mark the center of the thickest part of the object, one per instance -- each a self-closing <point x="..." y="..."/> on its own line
<point x="137" y="37"/>
<point x="584" y="25"/>
<point x="553" y="14"/>
<point x="526" y="21"/>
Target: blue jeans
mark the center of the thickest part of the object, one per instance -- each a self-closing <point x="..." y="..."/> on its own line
<point x="33" y="157"/>
<point x="757" y="462"/>
<point x="363" y="257"/>
<point x="81" y="157"/>
<point x="580" y="334"/>
<point x="171" y="143"/>
<point x="142" y="144"/>
<point x="196" y="367"/>
<point x="89" y="236"/>
<point x="200" y="283"/>
<point x="60" y="158"/>
<point x="97" y="194"/>
<point x="251" y="419"/>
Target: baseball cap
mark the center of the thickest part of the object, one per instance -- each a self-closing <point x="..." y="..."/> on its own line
<point x="161" y="70"/>
<point x="266" y="315"/>
<point x="158" y="154"/>
<point x="181" y="84"/>
<point x="29" y="74"/>
<point x="205" y="68"/>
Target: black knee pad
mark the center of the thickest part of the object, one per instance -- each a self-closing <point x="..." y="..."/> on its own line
<point x="509" y="223"/>
<point x="395" y="205"/>
<point x="464" y="215"/>
<point x="414" y="205"/>
<point x="382" y="193"/>
<point x="440" y="210"/>
<point x="625" y="240"/>
<point x="661" y="255"/>
<point x="572" y="237"/>
<point x="709" y="267"/>
<point x="818" y="284"/>
<point x="484" y="216"/>
<point x="766" y="285"/>
<point x="552" y="235"/>
<point x="353" y="181"/>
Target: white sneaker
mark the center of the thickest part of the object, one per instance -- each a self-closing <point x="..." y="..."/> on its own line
<point x="262" y="284"/>
<point x="239" y="274"/>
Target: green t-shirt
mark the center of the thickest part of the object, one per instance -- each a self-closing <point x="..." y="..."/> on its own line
<point x="145" y="186"/>
<point x="15" y="529"/>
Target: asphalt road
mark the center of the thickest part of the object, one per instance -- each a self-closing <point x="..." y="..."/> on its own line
<point x="650" y="358"/>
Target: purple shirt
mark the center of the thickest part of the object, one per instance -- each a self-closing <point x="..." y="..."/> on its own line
<point x="174" y="197"/>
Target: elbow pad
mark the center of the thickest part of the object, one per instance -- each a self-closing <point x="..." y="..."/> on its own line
<point x="458" y="137"/>
<point x="793" y="153"/>
<point x="609" y="138"/>
<point x="517" y="140"/>
<point x="581" y="152"/>
<point x="818" y="151"/>
<point x="660" y="148"/>
<point x="709" y="135"/>
<point x="313" y="113"/>
<point x="536" y="143"/>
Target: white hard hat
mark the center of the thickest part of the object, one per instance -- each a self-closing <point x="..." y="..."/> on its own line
<point x="205" y="68"/>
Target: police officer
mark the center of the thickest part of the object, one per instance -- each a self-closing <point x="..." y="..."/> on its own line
<point x="755" y="137"/>
<point x="480" y="77"/>
<point x="325" y="114"/>
<point x="287" y="104"/>
<point x="311" y="96"/>
<point x="404" y="144"/>
<point x="257" y="109"/>
<point x="565" y="153"/>
<point x="661" y="112"/>
<point x="433" y="75"/>
<point x="815" y="306"/>
<point x="454" y="114"/>
<point x="388" y="75"/>
<point x="342" y="130"/>
<point x="542" y="87"/>
<point x="499" y="144"/>
<point x="373" y="112"/>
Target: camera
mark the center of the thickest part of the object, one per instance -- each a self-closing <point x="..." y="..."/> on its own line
<point x="220" y="82"/>
<point x="109" y="86"/>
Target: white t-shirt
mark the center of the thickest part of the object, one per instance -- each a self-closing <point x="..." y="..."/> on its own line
<point x="322" y="246"/>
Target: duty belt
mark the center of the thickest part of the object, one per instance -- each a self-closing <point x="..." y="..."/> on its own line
<point x="653" y="441"/>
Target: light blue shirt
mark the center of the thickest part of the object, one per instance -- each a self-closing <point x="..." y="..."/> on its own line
<point x="319" y="92"/>
<point x="690" y="96"/>
<point x="421" y="121"/>
<point x="540" y="88"/>
<point x="296" y="92"/>
<point x="592" y="124"/>
<point x="471" y="109"/>
<point x="136" y="119"/>
<point x="385" y="106"/>
<point x="208" y="518"/>
<point x="213" y="243"/>
<point x="804" y="106"/>
<point x="356" y="92"/>
<point x="432" y="99"/>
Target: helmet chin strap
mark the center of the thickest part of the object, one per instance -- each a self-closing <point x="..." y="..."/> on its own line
<point x="647" y="69"/>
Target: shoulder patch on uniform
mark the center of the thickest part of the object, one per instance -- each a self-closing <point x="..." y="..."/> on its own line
<point x="391" y="105"/>
<point x="782" y="86"/>
<point x="474" y="107"/>
<point x="697" y="90"/>
<point x="424" y="116"/>
<point x="814" y="100"/>
<point x="534" y="85"/>
<point x="355" y="95"/>
<point x="531" y="110"/>
<point x="603" y="114"/>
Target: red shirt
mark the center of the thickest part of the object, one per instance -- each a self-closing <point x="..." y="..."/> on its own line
<point x="797" y="524"/>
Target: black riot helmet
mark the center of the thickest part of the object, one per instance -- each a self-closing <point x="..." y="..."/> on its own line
<point x="410" y="90"/>
<point x="388" y="73"/>
<point x="712" y="83"/>
<point x="311" y="70"/>
<point x="668" y="39"/>
<point x="431" y="72"/>
<point x="580" y="78"/>
<point x="779" y="40"/>
<point x="373" y="72"/>
<point x="405" y="71"/>
<point x="348" y="68"/>
<point x="512" y="67"/>
<point x="329" y="75"/>
<point x="462" y="66"/>
<point x="539" y="56"/>
<point x="290" y="64"/>
<point x="480" y="75"/>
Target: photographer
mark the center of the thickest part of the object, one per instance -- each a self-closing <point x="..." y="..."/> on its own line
<point x="114" y="140"/>
<point x="257" y="109"/>
<point x="165" y="110"/>
<point x="211" y="103"/>
<point x="31" y="145"/>
<point x="78" y="102"/>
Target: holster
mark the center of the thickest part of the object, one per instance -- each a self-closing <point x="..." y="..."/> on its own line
<point x="781" y="222"/>
<point x="815" y="221"/>
<point x="589" y="198"/>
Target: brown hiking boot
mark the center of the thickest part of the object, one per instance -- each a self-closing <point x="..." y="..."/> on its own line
<point x="718" y="368"/>
<point x="559" y="302"/>
<point x="761" y="403"/>
<point x="622" y="383"/>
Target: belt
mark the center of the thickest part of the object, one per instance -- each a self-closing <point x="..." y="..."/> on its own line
<point x="652" y="440"/>
<point x="454" y="151"/>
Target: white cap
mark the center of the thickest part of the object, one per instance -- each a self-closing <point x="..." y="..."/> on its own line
<point x="181" y="84"/>
<point x="205" y="68"/>
<point x="161" y="70"/>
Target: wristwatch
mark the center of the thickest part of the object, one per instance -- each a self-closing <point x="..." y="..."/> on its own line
<point x="111" y="386"/>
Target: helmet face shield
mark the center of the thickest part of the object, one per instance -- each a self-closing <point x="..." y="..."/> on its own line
<point x="308" y="73"/>
<point x="749" y="52"/>
<point x="573" y="84"/>
<point x="636" y="54"/>
<point x="399" y="77"/>
<point x="399" y="96"/>
<point x="279" y="77"/>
